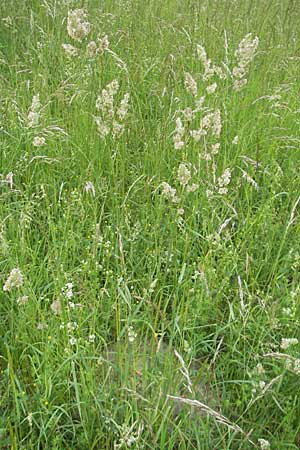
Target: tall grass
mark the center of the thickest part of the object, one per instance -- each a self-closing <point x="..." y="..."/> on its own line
<point x="140" y="316"/>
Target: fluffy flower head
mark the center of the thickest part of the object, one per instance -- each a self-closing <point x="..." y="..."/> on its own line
<point x="14" y="280"/>
<point x="77" y="27"/>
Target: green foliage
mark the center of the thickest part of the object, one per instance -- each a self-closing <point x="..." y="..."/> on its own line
<point x="130" y="292"/>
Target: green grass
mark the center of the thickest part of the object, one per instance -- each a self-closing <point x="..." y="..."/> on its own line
<point x="192" y="305"/>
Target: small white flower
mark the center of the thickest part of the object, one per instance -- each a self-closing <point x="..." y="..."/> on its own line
<point x="14" y="280"/>
<point x="212" y="88"/>
<point x="103" y="43"/>
<point x="215" y="148"/>
<point x="92" y="49"/>
<point x="123" y="109"/>
<point x="246" y="50"/>
<point x="262" y="384"/>
<point x="223" y="181"/>
<point x="92" y="338"/>
<point x="73" y="340"/>
<point x="296" y="367"/>
<point x="7" y="21"/>
<point x="264" y="444"/>
<point x="102" y="127"/>
<point x="183" y="174"/>
<point x="178" y="136"/>
<point x="34" y="113"/>
<point x="199" y="103"/>
<point x="77" y="28"/>
<point x="41" y="326"/>
<point x="39" y="141"/>
<point x="216" y="123"/>
<point x="67" y="291"/>
<point x="9" y="179"/>
<point x="235" y="140"/>
<point x="209" y="194"/>
<point x="238" y="72"/>
<point x="117" y="129"/>
<point x="22" y="300"/>
<point x="260" y="369"/>
<point x="197" y="134"/>
<point x="239" y="84"/>
<point x="192" y="188"/>
<point x="71" y="326"/>
<point x="33" y="119"/>
<point x="131" y="334"/>
<point x="188" y="114"/>
<point x="178" y="145"/>
<point x="29" y="419"/>
<point x="190" y="84"/>
<point x="169" y="192"/>
<point x="286" y="343"/>
<point x="70" y="50"/>
<point x="287" y="311"/>
<point x="113" y="87"/>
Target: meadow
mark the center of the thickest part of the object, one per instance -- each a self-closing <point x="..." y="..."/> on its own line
<point x="149" y="224"/>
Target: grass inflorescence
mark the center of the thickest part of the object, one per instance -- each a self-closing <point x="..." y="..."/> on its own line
<point x="149" y="225"/>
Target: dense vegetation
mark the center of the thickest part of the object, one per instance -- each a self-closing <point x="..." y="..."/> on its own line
<point x="149" y="224"/>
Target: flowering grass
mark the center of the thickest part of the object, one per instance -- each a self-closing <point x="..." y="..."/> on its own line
<point x="149" y="225"/>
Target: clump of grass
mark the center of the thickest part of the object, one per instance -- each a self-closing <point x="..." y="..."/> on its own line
<point x="149" y="218"/>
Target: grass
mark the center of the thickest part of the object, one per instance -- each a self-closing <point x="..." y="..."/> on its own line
<point x="190" y="299"/>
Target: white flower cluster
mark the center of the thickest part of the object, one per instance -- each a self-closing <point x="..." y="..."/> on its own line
<point x="184" y="177"/>
<point x="210" y="122"/>
<point x="128" y="437"/>
<point x="190" y="84"/>
<point x="293" y="365"/>
<point x="211" y="89"/>
<point x="34" y="112"/>
<point x="8" y="179"/>
<point x="287" y="342"/>
<point x="33" y="119"/>
<point x="94" y="48"/>
<point x="14" y="280"/>
<point x="56" y="307"/>
<point x="264" y="444"/>
<point x="78" y="29"/>
<point x="111" y="118"/>
<point x="67" y="291"/>
<point x="169" y="193"/>
<point x="22" y="300"/>
<point x="178" y="136"/>
<point x="77" y="26"/>
<point x="38" y="141"/>
<point x="131" y="334"/>
<point x="209" y="127"/>
<point x="209" y="69"/>
<point x="70" y="328"/>
<point x="244" y="55"/>
<point x="183" y="174"/>
<point x="223" y="181"/>
<point x="70" y="50"/>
